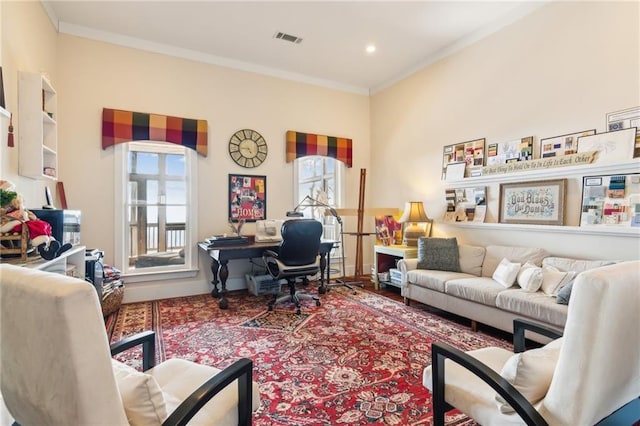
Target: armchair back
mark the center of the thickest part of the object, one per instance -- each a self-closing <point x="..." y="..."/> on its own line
<point x="598" y="369"/>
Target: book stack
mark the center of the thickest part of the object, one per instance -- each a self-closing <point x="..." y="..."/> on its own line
<point x="112" y="290"/>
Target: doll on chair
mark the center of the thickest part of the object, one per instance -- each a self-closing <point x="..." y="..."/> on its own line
<point x="14" y="214"/>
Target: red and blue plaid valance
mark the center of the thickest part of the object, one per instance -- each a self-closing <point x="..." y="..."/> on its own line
<point x="125" y="126"/>
<point x="303" y="144"/>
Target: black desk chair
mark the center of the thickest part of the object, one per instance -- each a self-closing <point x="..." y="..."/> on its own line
<point x="297" y="257"/>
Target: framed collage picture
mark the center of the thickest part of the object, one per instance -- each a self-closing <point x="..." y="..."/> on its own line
<point x="536" y="203"/>
<point x="510" y="151"/>
<point x="470" y="153"/>
<point x="612" y="147"/>
<point x="562" y="145"/>
<point x="247" y="198"/>
<point x="611" y="200"/>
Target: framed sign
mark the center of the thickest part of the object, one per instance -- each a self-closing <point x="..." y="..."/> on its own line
<point x="612" y="200"/>
<point x="247" y="198"/>
<point x="612" y="147"/>
<point x="470" y="153"/>
<point x="562" y="145"/>
<point x="535" y="203"/>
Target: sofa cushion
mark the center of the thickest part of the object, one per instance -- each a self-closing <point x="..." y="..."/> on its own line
<point x="530" y="372"/>
<point x="433" y="280"/>
<point x="532" y="305"/>
<point x="438" y="254"/>
<point x="530" y="277"/>
<point x="477" y="289"/>
<point x="471" y="258"/>
<point x="565" y="293"/>
<point x="506" y="273"/>
<point x="553" y="280"/>
<point x="575" y="265"/>
<point x="141" y="395"/>
<point x="494" y="254"/>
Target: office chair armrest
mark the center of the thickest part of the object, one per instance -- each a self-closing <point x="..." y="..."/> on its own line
<point x="242" y="370"/>
<point x="148" y="341"/>
<point x="269" y="253"/>
<point x="521" y="325"/>
<point x="441" y="351"/>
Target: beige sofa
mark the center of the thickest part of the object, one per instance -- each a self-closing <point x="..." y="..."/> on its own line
<point x="473" y="293"/>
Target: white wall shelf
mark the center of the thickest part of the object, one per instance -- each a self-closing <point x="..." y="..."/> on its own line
<point x="632" y="166"/>
<point x="604" y="230"/>
<point x="37" y="113"/>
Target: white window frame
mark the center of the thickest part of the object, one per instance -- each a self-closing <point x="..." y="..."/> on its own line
<point x="338" y="177"/>
<point x="190" y="268"/>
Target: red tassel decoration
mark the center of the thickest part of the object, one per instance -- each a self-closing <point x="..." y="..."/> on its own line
<point x="10" y="137"/>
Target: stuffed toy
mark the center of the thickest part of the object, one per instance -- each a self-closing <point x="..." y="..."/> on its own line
<point x="13" y="214"/>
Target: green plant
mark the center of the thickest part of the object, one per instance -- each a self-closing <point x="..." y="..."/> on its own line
<point x="6" y="197"/>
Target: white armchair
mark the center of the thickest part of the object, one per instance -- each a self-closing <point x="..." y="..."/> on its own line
<point x="589" y="376"/>
<point x="57" y="368"/>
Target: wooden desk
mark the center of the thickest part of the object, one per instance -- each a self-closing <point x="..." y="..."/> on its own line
<point x="220" y="257"/>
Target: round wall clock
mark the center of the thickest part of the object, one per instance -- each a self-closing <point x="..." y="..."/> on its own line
<point x="248" y="148"/>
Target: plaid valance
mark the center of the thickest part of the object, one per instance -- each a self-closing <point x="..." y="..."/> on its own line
<point x="303" y="144"/>
<point x="125" y="126"/>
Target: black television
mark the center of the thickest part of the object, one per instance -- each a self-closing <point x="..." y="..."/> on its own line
<point x="65" y="224"/>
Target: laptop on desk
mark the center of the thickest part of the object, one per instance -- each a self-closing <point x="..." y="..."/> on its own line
<point x="268" y="231"/>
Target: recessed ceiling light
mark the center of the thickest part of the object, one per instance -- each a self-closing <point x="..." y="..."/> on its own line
<point x="371" y="48"/>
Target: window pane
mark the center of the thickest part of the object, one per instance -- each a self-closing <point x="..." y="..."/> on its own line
<point x="152" y="192"/>
<point x="176" y="192"/>
<point x="306" y="168"/>
<point x="175" y="165"/>
<point x="318" y="164"/>
<point x="143" y="163"/>
<point x="330" y="165"/>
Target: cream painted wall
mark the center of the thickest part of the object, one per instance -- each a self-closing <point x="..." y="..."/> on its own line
<point x="29" y="43"/>
<point x="556" y="71"/>
<point x="94" y="75"/>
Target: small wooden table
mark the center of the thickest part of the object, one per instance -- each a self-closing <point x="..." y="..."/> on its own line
<point x="220" y="257"/>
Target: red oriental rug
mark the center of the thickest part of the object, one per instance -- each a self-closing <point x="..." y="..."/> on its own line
<point x="355" y="360"/>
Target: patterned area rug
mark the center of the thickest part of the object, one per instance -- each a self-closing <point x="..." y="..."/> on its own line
<point x="355" y="360"/>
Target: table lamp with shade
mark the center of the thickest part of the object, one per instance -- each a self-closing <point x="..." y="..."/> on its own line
<point x="413" y="214"/>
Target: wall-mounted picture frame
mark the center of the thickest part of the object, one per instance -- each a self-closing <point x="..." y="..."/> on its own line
<point x="466" y="204"/>
<point x="533" y="203"/>
<point x="623" y="119"/>
<point x="611" y="200"/>
<point x="612" y="147"/>
<point x="471" y="153"/>
<point x="2" y="102"/>
<point x="510" y="151"/>
<point x="247" y="197"/>
<point x="562" y="145"/>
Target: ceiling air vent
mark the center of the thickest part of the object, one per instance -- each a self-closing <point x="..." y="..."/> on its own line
<point x="287" y="37"/>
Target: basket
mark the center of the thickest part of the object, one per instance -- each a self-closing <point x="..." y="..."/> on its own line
<point x="112" y="301"/>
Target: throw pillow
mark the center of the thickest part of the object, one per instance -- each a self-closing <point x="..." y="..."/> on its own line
<point x="440" y="254"/>
<point x="553" y="280"/>
<point x="565" y="293"/>
<point x="506" y="273"/>
<point x="530" y="277"/>
<point x="530" y="372"/>
<point x="141" y="395"/>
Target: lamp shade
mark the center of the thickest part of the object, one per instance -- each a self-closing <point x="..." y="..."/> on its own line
<point x="414" y="212"/>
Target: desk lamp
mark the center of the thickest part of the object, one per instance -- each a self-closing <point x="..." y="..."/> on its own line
<point x="413" y="213"/>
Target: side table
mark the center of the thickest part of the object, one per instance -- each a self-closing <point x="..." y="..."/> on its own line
<point x="386" y="257"/>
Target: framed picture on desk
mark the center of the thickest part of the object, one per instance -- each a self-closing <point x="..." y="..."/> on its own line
<point x="247" y="198"/>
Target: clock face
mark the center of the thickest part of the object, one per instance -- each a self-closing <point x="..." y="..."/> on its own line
<point x="247" y="148"/>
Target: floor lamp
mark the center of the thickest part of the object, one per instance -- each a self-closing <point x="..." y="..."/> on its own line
<point x="334" y="213"/>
